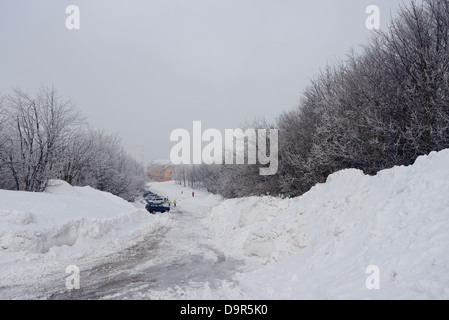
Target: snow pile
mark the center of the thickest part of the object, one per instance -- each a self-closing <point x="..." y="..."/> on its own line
<point x="63" y="215"/>
<point x="319" y="245"/>
<point x="40" y="232"/>
<point x="322" y="242"/>
<point x="256" y="227"/>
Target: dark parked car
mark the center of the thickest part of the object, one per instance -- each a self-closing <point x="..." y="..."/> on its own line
<point x="156" y="207"/>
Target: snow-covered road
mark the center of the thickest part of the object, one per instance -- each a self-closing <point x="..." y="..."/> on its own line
<point x="175" y="261"/>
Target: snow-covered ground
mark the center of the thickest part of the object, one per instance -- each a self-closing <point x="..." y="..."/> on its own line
<point x="317" y="246"/>
<point x="43" y="233"/>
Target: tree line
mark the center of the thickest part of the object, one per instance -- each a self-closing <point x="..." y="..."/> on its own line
<point x="44" y="137"/>
<point x="383" y="106"/>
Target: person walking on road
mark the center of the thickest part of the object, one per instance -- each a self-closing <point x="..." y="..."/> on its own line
<point x="174" y="203"/>
<point x="193" y="193"/>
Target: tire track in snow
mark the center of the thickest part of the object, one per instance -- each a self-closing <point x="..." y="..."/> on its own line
<point x="180" y="256"/>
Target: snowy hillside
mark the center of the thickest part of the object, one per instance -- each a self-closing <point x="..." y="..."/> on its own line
<point x="319" y="245"/>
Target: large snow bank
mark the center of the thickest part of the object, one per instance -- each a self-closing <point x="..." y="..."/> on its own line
<point x="319" y="245"/>
<point x="323" y="241"/>
<point x="64" y="225"/>
<point x="63" y="215"/>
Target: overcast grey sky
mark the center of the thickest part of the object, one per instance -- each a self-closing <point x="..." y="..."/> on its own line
<point x="143" y="68"/>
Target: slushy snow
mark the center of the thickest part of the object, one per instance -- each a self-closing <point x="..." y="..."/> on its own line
<point x="317" y="246"/>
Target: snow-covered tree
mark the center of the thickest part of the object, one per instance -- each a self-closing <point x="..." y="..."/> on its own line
<point x="43" y="137"/>
<point x="103" y="164"/>
<point x="35" y="130"/>
<point x="382" y="107"/>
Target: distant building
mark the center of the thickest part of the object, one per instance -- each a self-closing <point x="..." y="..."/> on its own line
<point x="161" y="171"/>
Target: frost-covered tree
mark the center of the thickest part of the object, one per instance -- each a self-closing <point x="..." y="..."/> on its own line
<point x="35" y="130"/>
<point x="107" y="167"/>
<point x="234" y="180"/>
<point x="44" y="137"/>
<point x="382" y="107"/>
